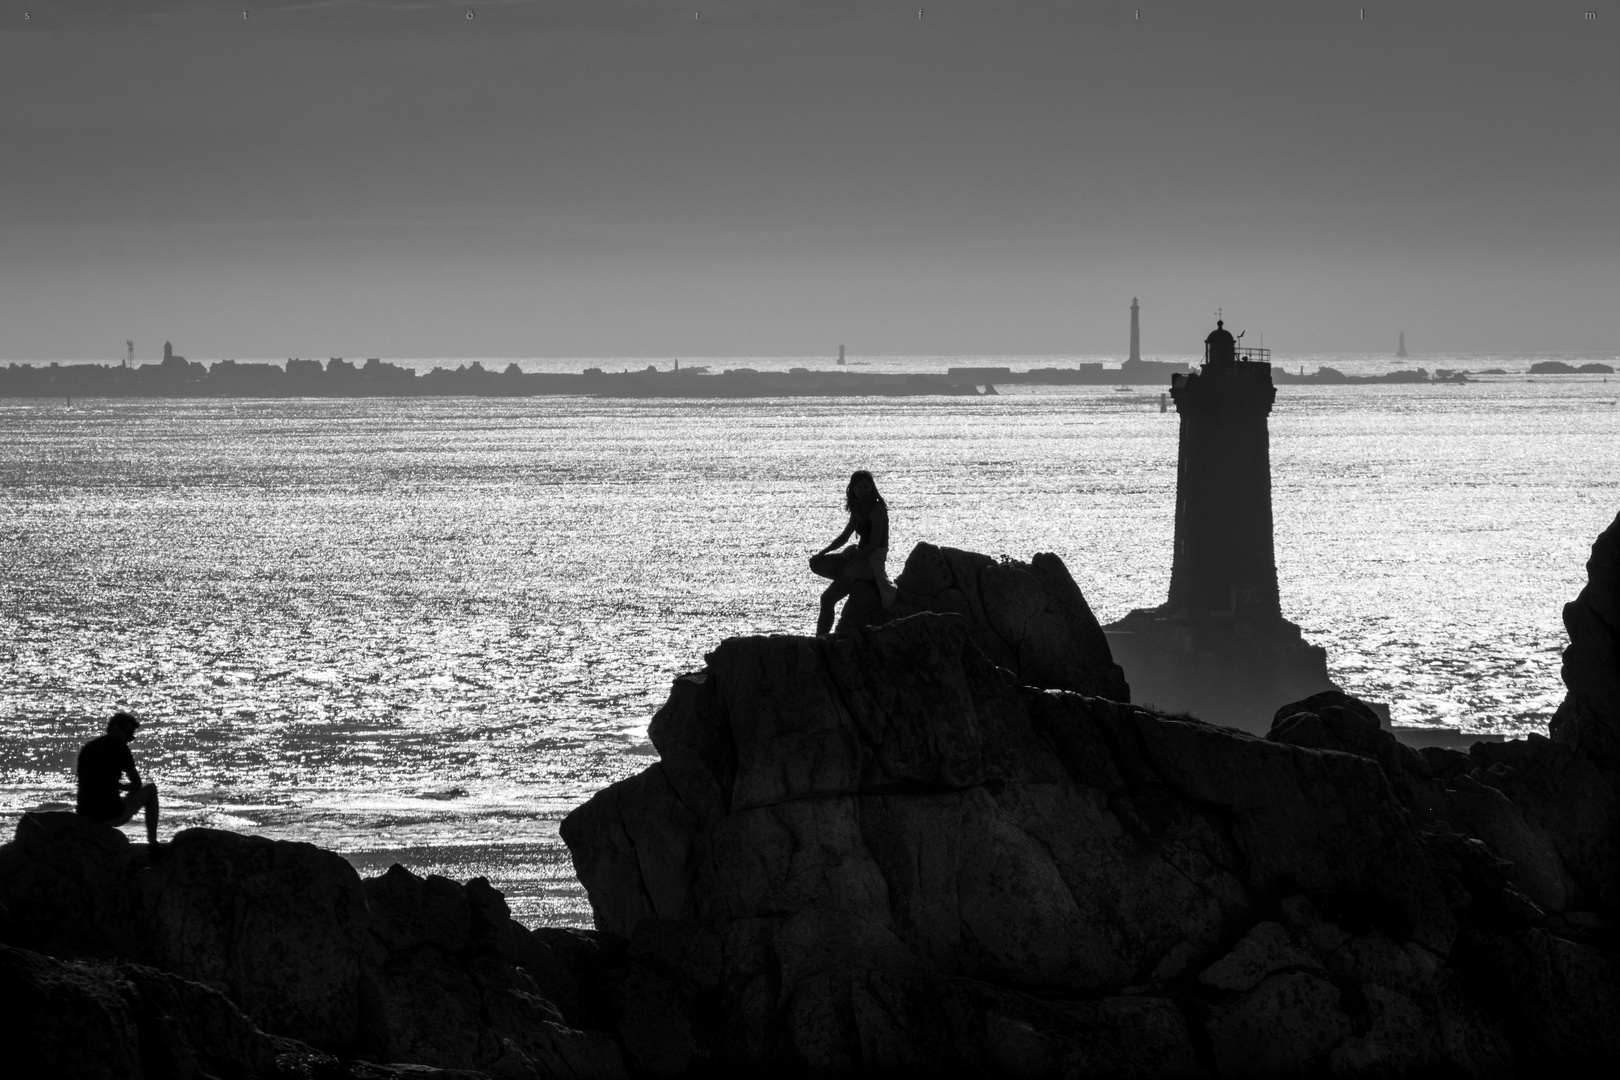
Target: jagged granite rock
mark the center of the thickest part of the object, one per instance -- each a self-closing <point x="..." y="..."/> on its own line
<point x="397" y="968"/>
<point x="1589" y="718"/>
<point x="278" y="926"/>
<point x="68" y="887"/>
<point x="1531" y="824"/>
<point x="1030" y="618"/>
<point x="82" y="1020"/>
<point x="451" y="990"/>
<point x="880" y="853"/>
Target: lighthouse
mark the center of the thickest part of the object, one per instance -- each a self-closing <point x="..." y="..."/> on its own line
<point x="1136" y="332"/>
<point x="1223" y="559"/>
<point x="1219" y="646"/>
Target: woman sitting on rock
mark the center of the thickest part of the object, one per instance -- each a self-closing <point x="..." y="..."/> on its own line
<point x="868" y="519"/>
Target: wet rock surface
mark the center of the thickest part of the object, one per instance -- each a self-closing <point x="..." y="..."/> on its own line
<point x="885" y="853"/>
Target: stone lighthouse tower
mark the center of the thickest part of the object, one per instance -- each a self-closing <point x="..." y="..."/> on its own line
<point x="1219" y="646"/>
<point x="1223" y="553"/>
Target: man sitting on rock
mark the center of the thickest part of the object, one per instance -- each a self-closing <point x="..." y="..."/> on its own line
<point x="102" y="765"/>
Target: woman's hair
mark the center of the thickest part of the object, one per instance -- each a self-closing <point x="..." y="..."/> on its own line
<point x="849" y="492"/>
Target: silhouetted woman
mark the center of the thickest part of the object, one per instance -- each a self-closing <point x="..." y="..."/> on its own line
<point x="868" y="519"/>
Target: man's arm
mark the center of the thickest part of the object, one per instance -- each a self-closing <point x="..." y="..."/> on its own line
<point x="128" y="765"/>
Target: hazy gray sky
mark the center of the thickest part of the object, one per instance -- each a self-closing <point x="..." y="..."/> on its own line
<point x="617" y="177"/>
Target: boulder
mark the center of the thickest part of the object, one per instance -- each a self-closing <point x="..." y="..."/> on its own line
<point x="447" y="989"/>
<point x="1030" y="618"/>
<point x="1558" y="997"/>
<point x="1285" y="1026"/>
<point x="96" y="1020"/>
<point x="852" y="1022"/>
<point x="280" y="927"/>
<point x="1570" y="811"/>
<point x="1589" y="718"/>
<point x="570" y="966"/>
<point x="68" y="886"/>
<point x="428" y="973"/>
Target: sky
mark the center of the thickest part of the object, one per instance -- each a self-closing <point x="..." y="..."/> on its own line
<point x="600" y="178"/>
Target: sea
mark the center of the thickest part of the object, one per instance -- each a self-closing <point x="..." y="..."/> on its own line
<point x="423" y="630"/>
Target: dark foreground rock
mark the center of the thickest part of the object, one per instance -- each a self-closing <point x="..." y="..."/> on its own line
<point x="122" y="1020"/>
<point x="943" y="845"/>
<point x="883" y="854"/>
<point x="1589" y="718"/>
<point x="283" y="941"/>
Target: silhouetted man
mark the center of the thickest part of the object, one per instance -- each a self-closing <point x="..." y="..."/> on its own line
<point x="102" y="765"/>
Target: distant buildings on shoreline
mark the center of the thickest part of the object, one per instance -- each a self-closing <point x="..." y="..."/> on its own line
<point x="175" y="376"/>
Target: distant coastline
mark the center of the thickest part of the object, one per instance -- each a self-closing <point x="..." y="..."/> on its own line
<point x="179" y="377"/>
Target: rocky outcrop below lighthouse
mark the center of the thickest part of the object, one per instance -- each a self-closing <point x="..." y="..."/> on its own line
<point x="1234" y="671"/>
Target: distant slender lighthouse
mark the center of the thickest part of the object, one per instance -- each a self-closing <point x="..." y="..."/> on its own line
<point x="1401" y="349"/>
<point x="1136" y="332"/>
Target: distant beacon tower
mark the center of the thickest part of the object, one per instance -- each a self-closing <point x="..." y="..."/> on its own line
<point x="1223" y="559"/>
<point x="168" y="352"/>
<point x="1136" y="332"/>
<point x="1401" y="349"/>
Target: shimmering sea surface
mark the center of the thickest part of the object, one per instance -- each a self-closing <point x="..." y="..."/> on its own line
<point x="421" y="631"/>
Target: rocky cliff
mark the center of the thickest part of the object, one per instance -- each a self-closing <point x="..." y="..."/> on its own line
<point x="1589" y="718"/>
<point x="237" y="956"/>
<point x="935" y="846"/>
<point x="886" y="853"/>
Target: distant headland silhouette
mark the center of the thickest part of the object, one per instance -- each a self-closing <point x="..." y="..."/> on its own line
<point x="178" y="377"/>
